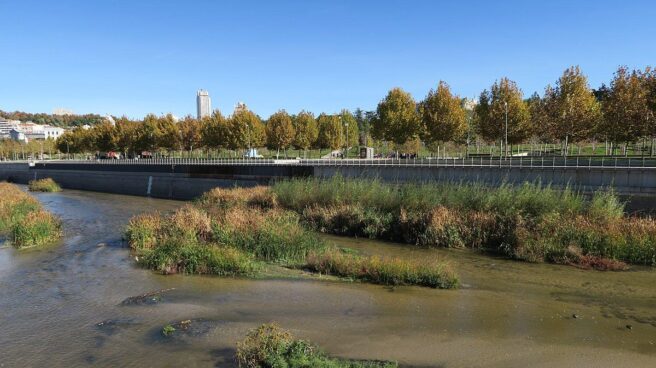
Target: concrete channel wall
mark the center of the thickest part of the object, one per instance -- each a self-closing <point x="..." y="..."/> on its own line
<point x="630" y="181"/>
<point x="186" y="181"/>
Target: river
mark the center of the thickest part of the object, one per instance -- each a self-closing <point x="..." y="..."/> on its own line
<point x="506" y="314"/>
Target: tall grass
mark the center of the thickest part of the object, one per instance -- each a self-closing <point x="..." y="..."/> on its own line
<point x="386" y="271"/>
<point x="232" y="231"/>
<point x="23" y="218"/>
<point x="44" y="185"/>
<point x="530" y="222"/>
<point x="271" y="346"/>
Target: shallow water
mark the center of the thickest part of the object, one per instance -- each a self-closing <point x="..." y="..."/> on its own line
<point x="507" y="314"/>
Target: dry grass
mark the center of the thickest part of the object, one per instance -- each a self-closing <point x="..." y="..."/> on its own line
<point x="44" y="185"/>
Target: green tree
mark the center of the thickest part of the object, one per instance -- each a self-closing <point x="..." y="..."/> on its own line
<point x="442" y="116"/>
<point x="397" y="118"/>
<point x="626" y="113"/>
<point x="214" y="131"/>
<point x="330" y="129"/>
<point x="74" y="141"/>
<point x="307" y="130"/>
<point x="350" y="127"/>
<point x="280" y="131"/>
<point x="571" y="108"/>
<point x="245" y="129"/>
<point x="491" y="113"/>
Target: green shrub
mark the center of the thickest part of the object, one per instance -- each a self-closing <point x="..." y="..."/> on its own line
<point x="271" y="346"/>
<point x="44" y="185"/>
<point x="36" y="228"/>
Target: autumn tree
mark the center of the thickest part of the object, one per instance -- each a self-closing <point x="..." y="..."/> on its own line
<point x="307" y="131"/>
<point x="168" y="135"/>
<point x="572" y="111"/>
<point x="280" y="131"/>
<point x="397" y="118"/>
<point x="214" y="131"/>
<point x="539" y="117"/>
<point x="244" y="130"/>
<point x="442" y="116"/>
<point x="491" y="113"/>
<point x="626" y="114"/>
<point x="74" y="141"/>
<point x="125" y="135"/>
<point x="146" y="134"/>
<point x="190" y="133"/>
<point x="330" y="128"/>
<point x="103" y="137"/>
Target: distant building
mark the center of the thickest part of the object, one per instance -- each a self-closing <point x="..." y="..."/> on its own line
<point x="62" y="111"/>
<point x="203" y="104"/>
<point x="240" y="107"/>
<point x="29" y="131"/>
<point x="6" y="126"/>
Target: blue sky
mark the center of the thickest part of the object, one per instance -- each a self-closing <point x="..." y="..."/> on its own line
<point x="134" y="57"/>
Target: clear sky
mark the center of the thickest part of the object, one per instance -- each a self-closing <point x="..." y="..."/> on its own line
<point x="139" y="56"/>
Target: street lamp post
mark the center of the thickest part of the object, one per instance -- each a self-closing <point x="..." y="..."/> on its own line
<point x="506" y="148"/>
<point x="346" y="142"/>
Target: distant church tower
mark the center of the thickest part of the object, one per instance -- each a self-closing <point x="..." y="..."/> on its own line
<point x="203" y="104"/>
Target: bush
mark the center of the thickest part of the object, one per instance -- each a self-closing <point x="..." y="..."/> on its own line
<point x="271" y="346"/>
<point x="44" y="185"/>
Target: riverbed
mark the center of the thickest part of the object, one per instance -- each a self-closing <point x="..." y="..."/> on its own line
<point x="60" y="306"/>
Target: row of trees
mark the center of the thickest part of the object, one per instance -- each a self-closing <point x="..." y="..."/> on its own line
<point x="243" y="129"/>
<point x="567" y="112"/>
<point x="70" y="120"/>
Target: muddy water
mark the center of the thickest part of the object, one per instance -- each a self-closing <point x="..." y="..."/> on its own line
<point x="507" y="314"/>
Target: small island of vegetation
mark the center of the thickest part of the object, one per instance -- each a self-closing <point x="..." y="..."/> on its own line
<point x="44" y="185"/>
<point x="24" y="220"/>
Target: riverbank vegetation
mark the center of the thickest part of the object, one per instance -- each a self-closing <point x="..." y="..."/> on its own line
<point x="271" y="346"/>
<point x="238" y="232"/>
<point x="528" y="222"/>
<point x="25" y="221"/>
<point x="44" y="185"/>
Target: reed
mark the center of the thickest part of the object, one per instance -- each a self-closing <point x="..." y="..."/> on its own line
<point x="24" y="220"/>
<point x="386" y="271"/>
<point x="44" y="185"/>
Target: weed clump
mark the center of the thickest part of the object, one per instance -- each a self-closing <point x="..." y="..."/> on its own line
<point x="271" y="346"/>
<point x="44" y="185"/>
<point x="24" y="220"/>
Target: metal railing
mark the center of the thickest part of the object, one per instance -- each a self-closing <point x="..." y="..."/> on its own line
<point x="511" y="162"/>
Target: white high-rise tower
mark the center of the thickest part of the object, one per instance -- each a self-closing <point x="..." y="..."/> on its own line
<point x="203" y="104"/>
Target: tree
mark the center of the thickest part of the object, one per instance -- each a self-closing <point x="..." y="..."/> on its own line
<point x="125" y="135"/>
<point x="397" y="120"/>
<point x="214" y="131"/>
<point x="539" y="117"/>
<point x="442" y="115"/>
<point x="491" y="113"/>
<point x="190" y="133"/>
<point x="103" y="137"/>
<point x="307" y="131"/>
<point x="245" y="129"/>
<point x="350" y="129"/>
<point x="280" y="131"/>
<point x="365" y="120"/>
<point x="168" y="135"/>
<point x="572" y="111"/>
<point x="330" y="129"/>
<point x="74" y="141"/>
<point x="146" y="134"/>
<point x="627" y="116"/>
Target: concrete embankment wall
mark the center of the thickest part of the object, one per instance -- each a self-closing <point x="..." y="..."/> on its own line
<point x="190" y="181"/>
<point x="159" y="181"/>
<point x="626" y="181"/>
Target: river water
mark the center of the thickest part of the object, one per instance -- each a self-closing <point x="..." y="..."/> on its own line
<point x="507" y="314"/>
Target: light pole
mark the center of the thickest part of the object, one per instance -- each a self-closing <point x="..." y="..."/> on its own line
<point x="346" y="142"/>
<point x="505" y="103"/>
